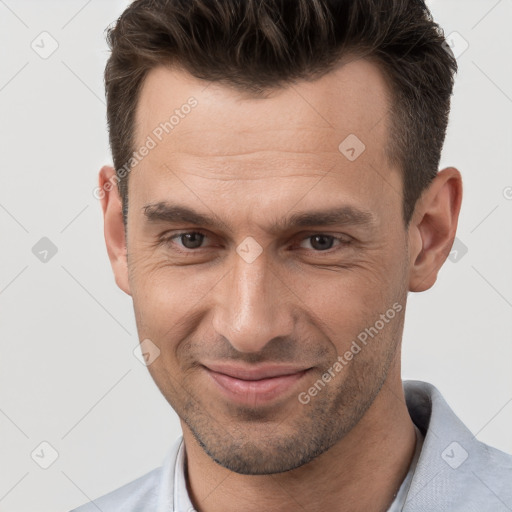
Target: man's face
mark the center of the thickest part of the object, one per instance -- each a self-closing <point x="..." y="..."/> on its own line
<point x="250" y="309"/>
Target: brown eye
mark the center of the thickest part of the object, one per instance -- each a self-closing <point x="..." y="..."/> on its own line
<point x="191" y="240"/>
<point x="321" y="242"/>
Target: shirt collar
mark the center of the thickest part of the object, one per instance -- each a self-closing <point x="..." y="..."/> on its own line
<point x="182" y="501"/>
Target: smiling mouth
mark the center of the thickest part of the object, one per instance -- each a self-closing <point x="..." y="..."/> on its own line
<point x="254" y="386"/>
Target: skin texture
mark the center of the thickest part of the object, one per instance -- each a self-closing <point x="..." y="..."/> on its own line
<point x="251" y="162"/>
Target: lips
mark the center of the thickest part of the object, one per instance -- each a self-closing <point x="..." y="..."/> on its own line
<point x="254" y="384"/>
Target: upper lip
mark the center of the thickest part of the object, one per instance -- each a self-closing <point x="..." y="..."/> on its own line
<point x="254" y="372"/>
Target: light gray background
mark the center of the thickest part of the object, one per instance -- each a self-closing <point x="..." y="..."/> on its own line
<point x="68" y="375"/>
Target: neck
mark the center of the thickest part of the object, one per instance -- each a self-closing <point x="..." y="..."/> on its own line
<point x="363" y="471"/>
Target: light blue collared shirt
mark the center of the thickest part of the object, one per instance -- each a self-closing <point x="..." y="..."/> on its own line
<point x="451" y="471"/>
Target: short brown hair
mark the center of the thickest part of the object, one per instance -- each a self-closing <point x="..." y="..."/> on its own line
<point x="255" y="45"/>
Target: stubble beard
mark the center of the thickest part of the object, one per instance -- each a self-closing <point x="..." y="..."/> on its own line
<point x="253" y="443"/>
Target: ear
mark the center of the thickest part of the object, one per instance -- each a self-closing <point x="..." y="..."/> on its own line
<point x="115" y="238"/>
<point x="432" y="228"/>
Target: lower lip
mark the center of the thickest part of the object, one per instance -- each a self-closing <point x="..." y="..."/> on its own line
<point x="253" y="392"/>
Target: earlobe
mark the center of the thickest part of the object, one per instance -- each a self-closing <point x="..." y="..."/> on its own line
<point x="114" y="231"/>
<point x="433" y="227"/>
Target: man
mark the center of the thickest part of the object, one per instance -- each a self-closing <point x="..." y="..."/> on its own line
<point x="275" y="197"/>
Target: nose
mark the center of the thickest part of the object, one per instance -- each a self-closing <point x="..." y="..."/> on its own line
<point x="250" y="308"/>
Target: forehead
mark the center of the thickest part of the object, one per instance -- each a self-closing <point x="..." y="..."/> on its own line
<point x="353" y="99"/>
<point x="232" y="144"/>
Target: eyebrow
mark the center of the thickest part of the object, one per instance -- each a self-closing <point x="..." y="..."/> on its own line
<point x="345" y="215"/>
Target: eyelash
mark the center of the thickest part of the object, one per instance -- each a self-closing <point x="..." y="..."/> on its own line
<point x="169" y="239"/>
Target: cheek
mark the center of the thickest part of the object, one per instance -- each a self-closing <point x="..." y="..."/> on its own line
<point x="166" y="298"/>
<point x="343" y="304"/>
